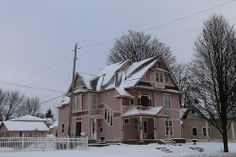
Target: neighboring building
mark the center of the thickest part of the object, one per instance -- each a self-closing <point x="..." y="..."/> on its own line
<point x="54" y="128"/>
<point x="125" y="102"/>
<point x="23" y="128"/>
<point x="63" y="117"/>
<point x="195" y="126"/>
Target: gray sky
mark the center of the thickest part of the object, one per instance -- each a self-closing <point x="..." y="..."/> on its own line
<point x="34" y="35"/>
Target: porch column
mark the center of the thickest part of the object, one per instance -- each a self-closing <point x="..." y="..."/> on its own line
<point x="155" y="129"/>
<point x="207" y="131"/>
<point x="141" y="128"/>
<point x="95" y="128"/>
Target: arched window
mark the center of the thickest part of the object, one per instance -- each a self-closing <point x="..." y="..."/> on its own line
<point x="145" y="101"/>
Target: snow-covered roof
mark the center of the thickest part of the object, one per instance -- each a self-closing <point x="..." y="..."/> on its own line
<point x="137" y="111"/>
<point x="122" y="92"/>
<point x="65" y="100"/>
<point x="120" y="75"/>
<point x="182" y="112"/>
<point x="28" y="118"/>
<point x="106" y="76"/>
<point x="87" y="78"/>
<point x="25" y="126"/>
<point x="55" y="124"/>
<point x="136" y="71"/>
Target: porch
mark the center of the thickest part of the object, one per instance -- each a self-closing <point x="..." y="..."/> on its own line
<point x="141" y="124"/>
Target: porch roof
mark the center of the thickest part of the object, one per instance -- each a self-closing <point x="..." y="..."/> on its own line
<point x="140" y="111"/>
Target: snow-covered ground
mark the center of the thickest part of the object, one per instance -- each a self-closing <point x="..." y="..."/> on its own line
<point x="123" y="150"/>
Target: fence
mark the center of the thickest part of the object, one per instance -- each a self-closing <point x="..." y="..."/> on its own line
<point x="8" y="144"/>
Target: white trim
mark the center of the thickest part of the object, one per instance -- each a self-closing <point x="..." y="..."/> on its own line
<point x="91" y="100"/>
<point x="169" y="135"/>
<point x="232" y="126"/>
<point x="196" y="132"/>
<point x="163" y="100"/>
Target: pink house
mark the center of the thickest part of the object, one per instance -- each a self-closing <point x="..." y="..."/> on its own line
<point x="125" y="102"/>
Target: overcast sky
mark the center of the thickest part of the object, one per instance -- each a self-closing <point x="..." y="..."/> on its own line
<point x="37" y="37"/>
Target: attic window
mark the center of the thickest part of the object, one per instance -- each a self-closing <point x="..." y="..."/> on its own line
<point x="159" y="77"/>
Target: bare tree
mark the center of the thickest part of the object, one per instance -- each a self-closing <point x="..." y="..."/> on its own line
<point x="137" y="46"/>
<point x="215" y="74"/>
<point x="2" y="103"/>
<point x="183" y="76"/>
<point x="13" y="103"/>
<point x="30" y="106"/>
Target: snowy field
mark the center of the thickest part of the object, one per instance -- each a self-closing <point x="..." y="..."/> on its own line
<point x="151" y="150"/>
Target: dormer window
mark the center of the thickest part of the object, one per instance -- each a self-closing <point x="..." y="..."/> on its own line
<point x="159" y="77"/>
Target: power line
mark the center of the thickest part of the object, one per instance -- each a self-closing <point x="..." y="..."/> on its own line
<point x="188" y="16"/>
<point x="166" y="23"/>
<point x="45" y="69"/>
<point x="51" y="99"/>
<point x="31" y="87"/>
<point x="147" y="29"/>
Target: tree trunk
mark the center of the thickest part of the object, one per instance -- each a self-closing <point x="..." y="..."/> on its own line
<point x="225" y="140"/>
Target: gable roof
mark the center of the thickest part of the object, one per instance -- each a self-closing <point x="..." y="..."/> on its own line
<point x="107" y="76"/>
<point x="120" y="76"/>
<point x="25" y="126"/>
<point x="136" y="71"/>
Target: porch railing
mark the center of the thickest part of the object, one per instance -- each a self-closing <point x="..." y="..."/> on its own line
<point x="9" y="144"/>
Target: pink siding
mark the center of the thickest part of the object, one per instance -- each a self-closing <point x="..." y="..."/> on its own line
<point x="63" y="118"/>
<point x="109" y="98"/>
<point x="131" y="129"/>
<point x="111" y="133"/>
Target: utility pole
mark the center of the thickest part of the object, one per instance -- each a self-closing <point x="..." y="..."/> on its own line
<point x="72" y="89"/>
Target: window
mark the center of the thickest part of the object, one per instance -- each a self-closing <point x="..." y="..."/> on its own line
<point x="194" y="131"/>
<point x="126" y="121"/>
<point x="168" y="127"/>
<point x="145" y="101"/>
<point x="159" y="77"/>
<point x="105" y="115"/>
<point x="62" y="128"/>
<point x="111" y="120"/>
<point x="108" y="117"/>
<point x="131" y="101"/>
<point x="167" y="100"/>
<point x="204" y="131"/>
<point x="94" y="101"/>
<point x="77" y="102"/>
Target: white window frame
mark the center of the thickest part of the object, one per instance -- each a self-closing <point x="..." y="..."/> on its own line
<point x="63" y="128"/>
<point x="94" y="106"/>
<point x="130" y="101"/>
<point x="203" y="131"/>
<point x="169" y="127"/>
<point x="76" y="106"/>
<point x="159" y="76"/>
<point x="196" y="131"/>
<point x="164" y="105"/>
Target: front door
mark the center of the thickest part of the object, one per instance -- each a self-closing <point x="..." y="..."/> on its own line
<point x="145" y="129"/>
<point x="78" y="129"/>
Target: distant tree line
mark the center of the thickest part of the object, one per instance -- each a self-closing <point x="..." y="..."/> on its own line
<point x="14" y="104"/>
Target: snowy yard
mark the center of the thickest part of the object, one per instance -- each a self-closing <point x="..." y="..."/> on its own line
<point x="123" y="150"/>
